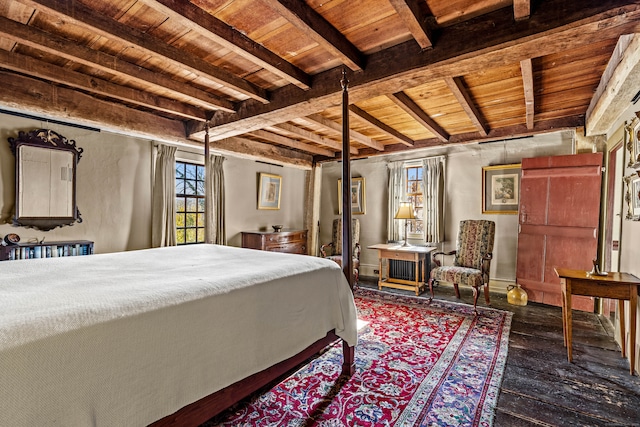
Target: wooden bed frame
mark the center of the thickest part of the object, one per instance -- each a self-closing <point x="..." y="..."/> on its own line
<point x="209" y="406"/>
<point x="206" y="408"/>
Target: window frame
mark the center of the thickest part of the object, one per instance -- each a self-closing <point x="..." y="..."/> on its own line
<point x="194" y="207"/>
<point x="412" y="197"/>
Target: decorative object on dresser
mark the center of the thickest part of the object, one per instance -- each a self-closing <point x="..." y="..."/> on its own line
<point x="333" y="250"/>
<point x="45" y="249"/>
<point x="286" y="240"/>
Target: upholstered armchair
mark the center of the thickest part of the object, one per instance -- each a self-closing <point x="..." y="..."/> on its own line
<point x="333" y="250"/>
<point x="472" y="259"/>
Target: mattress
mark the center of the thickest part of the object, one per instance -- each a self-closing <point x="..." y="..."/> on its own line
<point x="130" y="337"/>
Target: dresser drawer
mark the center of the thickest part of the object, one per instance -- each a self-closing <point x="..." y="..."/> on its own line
<point x="286" y="238"/>
<point x="289" y="248"/>
<point x="288" y="241"/>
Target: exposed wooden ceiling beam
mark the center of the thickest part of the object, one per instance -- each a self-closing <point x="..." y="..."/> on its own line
<point x="461" y="49"/>
<point x="521" y="9"/>
<point x="618" y="86"/>
<point x="291" y="143"/>
<point x="49" y="43"/>
<point x="248" y="148"/>
<point x="320" y="30"/>
<point x="498" y="134"/>
<point x="44" y="70"/>
<point x="457" y="87"/>
<point x="416" y="20"/>
<point x="527" y="81"/>
<point x="50" y="100"/>
<point x="211" y="27"/>
<point x="317" y="119"/>
<point x="79" y="14"/>
<point x="382" y="127"/>
<point x="319" y="139"/>
<point x="410" y="107"/>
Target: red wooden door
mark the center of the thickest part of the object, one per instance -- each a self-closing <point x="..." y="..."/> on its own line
<point x="559" y="215"/>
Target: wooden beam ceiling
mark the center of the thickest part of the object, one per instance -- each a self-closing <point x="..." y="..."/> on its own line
<point x="527" y="82"/>
<point x="204" y="23"/>
<point x="55" y="45"/>
<point x="410" y="107"/>
<point x="78" y="14"/>
<point x="322" y="32"/>
<point x="313" y="137"/>
<point x="456" y="85"/>
<point x="461" y="49"/>
<point x="386" y="129"/>
<point x="291" y="143"/>
<point x="416" y="20"/>
<point x="337" y="127"/>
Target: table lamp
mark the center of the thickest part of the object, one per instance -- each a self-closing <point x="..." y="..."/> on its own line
<point x="406" y="212"/>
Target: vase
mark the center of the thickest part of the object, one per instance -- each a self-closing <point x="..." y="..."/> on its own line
<point x="516" y="295"/>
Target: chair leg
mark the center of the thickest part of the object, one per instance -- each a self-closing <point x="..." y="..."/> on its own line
<point x="476" y="292"/>
<point x="486" y="293"/>
<point x="455" y="286"/>
<point x="431" y="280"/>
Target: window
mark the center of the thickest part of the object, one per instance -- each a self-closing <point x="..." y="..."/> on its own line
<point x="190" y="203"/>
<point x="413" y="194"/>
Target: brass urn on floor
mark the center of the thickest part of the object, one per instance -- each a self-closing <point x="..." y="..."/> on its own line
<point x="516" y="295"/>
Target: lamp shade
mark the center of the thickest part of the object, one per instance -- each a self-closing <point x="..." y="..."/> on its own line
<point x="405" y="211"/>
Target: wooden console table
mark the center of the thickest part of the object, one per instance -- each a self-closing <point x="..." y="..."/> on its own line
<point x="416" y="254"/>
<point x="620" y="286"/>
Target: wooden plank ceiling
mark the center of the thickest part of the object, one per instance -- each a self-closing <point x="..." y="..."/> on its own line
<point x="264" y="75"/>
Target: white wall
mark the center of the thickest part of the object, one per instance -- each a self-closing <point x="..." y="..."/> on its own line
<point x="113" y="187"/>
<point x="114" y="181"/>
<point x="463" y="184"/>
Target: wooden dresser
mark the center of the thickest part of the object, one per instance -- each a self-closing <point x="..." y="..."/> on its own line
<point x="289" y="241"/>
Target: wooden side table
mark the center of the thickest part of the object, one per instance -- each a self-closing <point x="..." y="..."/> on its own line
<point x="620" y="286"/>
<point x="416" y="254"/>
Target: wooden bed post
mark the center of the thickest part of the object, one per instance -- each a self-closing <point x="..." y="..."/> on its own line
<point x="207" y="167"/>
<point x="348" y="364"/>
<point x="347" y="248"/>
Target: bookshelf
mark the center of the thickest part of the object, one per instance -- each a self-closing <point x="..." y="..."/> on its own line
<point x="46" y="250"/>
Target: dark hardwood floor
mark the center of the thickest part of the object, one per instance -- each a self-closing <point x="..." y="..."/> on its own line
<point x="540" y="387"/>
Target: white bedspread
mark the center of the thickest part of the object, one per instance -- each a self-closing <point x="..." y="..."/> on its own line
<point x="127" y="338"/>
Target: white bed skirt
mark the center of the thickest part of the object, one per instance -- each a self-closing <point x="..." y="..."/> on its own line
<point x="128" y="338"/>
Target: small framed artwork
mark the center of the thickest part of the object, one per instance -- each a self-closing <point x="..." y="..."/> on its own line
<point x="269" y="191"/>
<point x="632" y="137"/>
<point x="632" y="197"/>
<point x="501" y="189"/>
<point x="358" y="205"/>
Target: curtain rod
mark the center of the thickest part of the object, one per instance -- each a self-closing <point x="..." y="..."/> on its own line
<point x="57" y="122"/>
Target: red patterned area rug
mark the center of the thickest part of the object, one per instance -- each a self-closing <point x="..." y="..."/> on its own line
<point x="418" y="363"/>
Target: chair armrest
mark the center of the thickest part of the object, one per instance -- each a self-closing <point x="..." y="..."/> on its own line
<point x="436" y="261"/>
<point x="356" y="252"/>
<point x="323" y="251"/>
<point x="486" y="266"/>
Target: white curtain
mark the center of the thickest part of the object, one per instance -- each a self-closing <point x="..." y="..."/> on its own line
<point x="214" y="200"/>
<point x="163" y="216"/>
<point x="396" y="193"/>
<point x="433" y="196"/>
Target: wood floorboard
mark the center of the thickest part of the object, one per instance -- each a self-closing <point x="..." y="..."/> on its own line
<point x="540" y="387"/>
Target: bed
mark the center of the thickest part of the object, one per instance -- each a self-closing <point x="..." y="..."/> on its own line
<point x="138" y="337"/>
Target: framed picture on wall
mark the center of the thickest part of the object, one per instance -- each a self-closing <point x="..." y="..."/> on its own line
<point x="357" y="196"/>
<point x="269" y="191"/>
<point x="501" y="189"/>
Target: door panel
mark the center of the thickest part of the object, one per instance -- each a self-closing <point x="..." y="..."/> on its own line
<point x="559" y="218"/>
